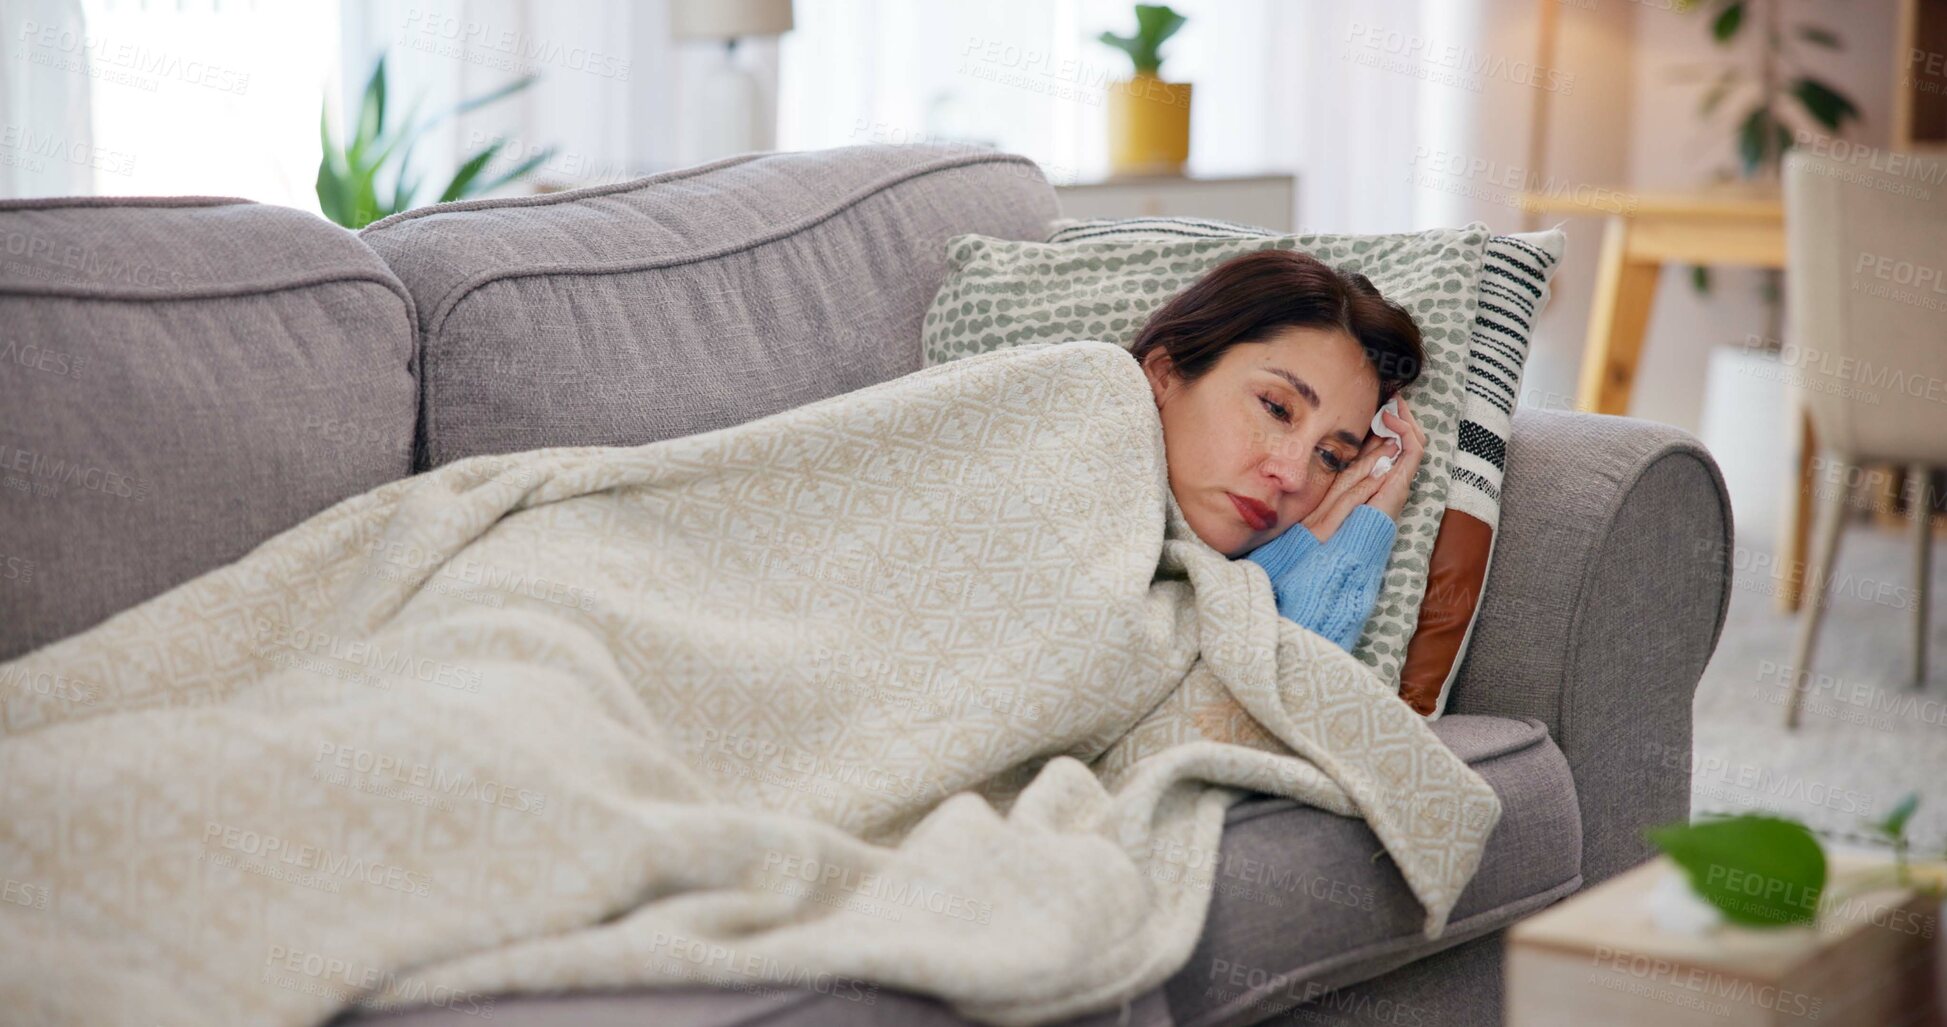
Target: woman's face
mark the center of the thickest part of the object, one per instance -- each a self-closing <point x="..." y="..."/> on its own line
<point x="1272" y="422"/>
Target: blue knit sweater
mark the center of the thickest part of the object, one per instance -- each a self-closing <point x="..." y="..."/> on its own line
<point x="1329" y="586"/>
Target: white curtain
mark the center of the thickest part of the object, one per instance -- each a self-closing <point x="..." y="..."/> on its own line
<point x="47" y="139"/>
<point x="1412" y="114"/>
<point x="605" y="73"/>
<point x="122" y="97"/>
<point x="1305" y="86"/>
<point x="1349" y="129"/>
<point x="1346" y="96"/>
<point x="223" y="96"/>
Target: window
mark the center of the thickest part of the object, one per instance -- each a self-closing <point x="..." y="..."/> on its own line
<point x="203" y="97"/>
<point x="1027" y="76"/>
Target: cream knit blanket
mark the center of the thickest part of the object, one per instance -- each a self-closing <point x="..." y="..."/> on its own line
<point x="913" y="687"/>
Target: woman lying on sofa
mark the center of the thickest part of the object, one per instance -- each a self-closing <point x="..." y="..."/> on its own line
<point x="1268" y="372"/>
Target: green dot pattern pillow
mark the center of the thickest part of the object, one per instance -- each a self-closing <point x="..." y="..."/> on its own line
<point x="1001" y="292"/>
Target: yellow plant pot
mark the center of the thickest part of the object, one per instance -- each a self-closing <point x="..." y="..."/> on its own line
<point x="1149" y="126"/>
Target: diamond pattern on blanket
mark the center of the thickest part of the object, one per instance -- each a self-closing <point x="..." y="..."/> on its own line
<point x="905" y="688"/>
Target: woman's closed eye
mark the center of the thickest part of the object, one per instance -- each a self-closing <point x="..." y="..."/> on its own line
<point x="1332" y="461"/>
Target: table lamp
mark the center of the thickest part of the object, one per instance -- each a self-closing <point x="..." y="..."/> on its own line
<point x="728" y="113"/>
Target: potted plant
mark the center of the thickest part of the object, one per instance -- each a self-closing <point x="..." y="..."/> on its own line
<point x="1773" y="105"/>
<point x="1149" y="119"/>
<point x="367" y="177"/>
<point x="1765" y="96"/>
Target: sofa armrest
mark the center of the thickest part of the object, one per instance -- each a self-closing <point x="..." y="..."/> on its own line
<point x="1609" y="584"/>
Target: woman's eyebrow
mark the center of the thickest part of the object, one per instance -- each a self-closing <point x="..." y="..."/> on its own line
<point x="1305" y="391"/>
<point x="1310" y="395"/>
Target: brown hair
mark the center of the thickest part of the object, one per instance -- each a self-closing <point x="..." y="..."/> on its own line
<point x="1251" y="297"/>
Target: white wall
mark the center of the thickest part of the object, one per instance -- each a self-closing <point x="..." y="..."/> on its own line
<point x="1591" y="125"/>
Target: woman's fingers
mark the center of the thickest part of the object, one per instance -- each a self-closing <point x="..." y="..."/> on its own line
<point x="1398" y="424"/>
<point x="1357" y="475"/>
<point x="1350" y="477"/>
<point x="1369" y="451"/>
<point x="1390" y="490"/>
<point x="1325" y="518"/>
<point x="1350" y="487"/>
<point x="1356" y="484"/>
<point x="1405" y="424"/>
<point x="1412" y="448"/>
<point x="1410" y="433"/>
<point x="1418" y="432"/>
<point x="1336" y="508"/>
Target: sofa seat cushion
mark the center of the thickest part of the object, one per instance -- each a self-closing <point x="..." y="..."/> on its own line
<point x="1301" y="906"/>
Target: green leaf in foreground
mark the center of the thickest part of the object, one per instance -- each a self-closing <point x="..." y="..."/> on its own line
<point x="1760" y="871"/>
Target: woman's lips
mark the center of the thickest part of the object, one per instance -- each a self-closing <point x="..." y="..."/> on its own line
<point x="1255" y="514"/>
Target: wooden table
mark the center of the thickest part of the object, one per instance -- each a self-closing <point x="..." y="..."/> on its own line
<point x="1598" y="958"/>
<point x="1741" y="225"/>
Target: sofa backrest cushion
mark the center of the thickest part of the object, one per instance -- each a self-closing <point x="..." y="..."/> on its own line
<point x="181" y="379"/>
<point x="690" y="300"/>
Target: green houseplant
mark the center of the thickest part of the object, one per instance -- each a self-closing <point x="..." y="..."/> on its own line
<point x="1155" y="24"/>
<point x="1149" y="119"/>
<point x="369" y="176"/>
<point x="1768" y="104"/>
<point x="1780" y="92"/>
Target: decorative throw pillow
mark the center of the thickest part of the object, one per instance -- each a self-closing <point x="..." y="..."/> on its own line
<point x="1514" y="286"/>
<point x="1002" y="292"/>
<point x="1513" y="291"/>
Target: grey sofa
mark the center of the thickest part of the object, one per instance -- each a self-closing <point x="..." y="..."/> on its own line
<point x="186" y="377"/>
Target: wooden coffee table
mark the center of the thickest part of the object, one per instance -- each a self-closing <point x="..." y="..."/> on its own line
<point x="1596" y="958"/>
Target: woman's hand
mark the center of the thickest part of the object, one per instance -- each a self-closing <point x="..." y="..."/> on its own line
<point x="1356" y="485"/>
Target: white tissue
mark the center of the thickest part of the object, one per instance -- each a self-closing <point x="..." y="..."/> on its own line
<point x="1385" y="463"/>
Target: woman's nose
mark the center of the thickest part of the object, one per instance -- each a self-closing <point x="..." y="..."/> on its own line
<point x="1287" y="470"/>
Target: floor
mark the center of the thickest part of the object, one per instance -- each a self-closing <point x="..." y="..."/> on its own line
<point x="1866" y="736"/>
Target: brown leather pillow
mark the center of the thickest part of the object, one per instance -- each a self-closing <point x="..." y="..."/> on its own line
<point x="1513" y="291"/>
